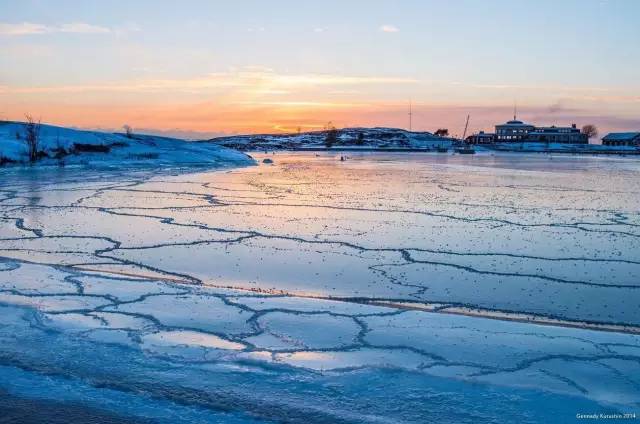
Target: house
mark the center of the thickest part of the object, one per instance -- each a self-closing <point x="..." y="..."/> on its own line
<point x="518" y="131"/>
<point x="481" y="138"/>
<point x="622" y="139"/>
<point x="555" y="134"/>
<point x="513" y="131"/>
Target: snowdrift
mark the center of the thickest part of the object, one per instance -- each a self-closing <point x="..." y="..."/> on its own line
<point x="58" y="145"/>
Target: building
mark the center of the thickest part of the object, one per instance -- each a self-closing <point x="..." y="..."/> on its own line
<point x="622" y="139"/>
<point x="518" y="131"/>
<point x="481" y="138"/>
<point x="513" y="131"/>
<point x="555" y="134"/>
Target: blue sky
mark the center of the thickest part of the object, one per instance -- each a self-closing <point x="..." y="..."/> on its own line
<point x="219" y="66"/>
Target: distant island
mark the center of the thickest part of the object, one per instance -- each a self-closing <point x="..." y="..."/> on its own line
<point x="377" y="138"/>
<point x="396" y="139"/>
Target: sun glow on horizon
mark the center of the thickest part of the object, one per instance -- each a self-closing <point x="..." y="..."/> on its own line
<point x="270" y="68"/>
<point x="259" y="100"/>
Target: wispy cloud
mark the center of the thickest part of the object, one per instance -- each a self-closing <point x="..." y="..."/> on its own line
<point x="581" y="94"/>
<point x="299" y="104"/>
<point x="389" y="28"/>
<point x="30" y="28"/>
<point x="260" y="80"/>
<point x="81" y="28"/>
<point x="528" y="87"/>
<point x="25" y="28"/>
<point x="324" y="79"/>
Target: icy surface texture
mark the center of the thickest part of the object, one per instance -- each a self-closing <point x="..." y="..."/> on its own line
<point x="384" y="288"/>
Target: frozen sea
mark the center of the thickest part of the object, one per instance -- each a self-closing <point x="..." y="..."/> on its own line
<point x="386" y="288"/>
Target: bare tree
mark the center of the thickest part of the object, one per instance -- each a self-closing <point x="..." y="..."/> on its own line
<point x="590" y="130"/>
<point x="32" y="137"/>
<point x="331" y="138"/>
<point x="128" y="130"/>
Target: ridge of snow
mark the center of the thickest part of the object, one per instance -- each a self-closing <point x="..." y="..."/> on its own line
<point x="73" y="146"/>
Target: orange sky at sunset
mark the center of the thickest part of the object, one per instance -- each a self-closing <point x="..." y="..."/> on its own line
<point x="255" y="100"/>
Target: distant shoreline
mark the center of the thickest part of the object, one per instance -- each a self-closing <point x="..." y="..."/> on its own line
<point x="482" y="149"/>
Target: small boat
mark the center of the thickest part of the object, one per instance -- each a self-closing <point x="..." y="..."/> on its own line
<point x="465" y="150"/>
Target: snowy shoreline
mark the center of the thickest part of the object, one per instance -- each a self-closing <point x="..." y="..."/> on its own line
<point x="59" y="146"/>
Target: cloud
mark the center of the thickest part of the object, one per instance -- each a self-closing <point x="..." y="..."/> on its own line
<point x="299" y="104"/>
<point x="24" y="28"/>
<point x="528" y="87"/>
<point x="82" y="28"/>
<point x="29" y="28"/>
<point x="389" y="28"/>
<point x="256" y="79"/>
<point x="327" y="79"/>
<point x="568" y="94"/>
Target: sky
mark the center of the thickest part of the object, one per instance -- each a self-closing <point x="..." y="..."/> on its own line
<point x="204" y="68"/>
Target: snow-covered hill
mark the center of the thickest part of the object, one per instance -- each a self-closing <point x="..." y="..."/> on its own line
<point x="379" y="138"/>
<point x="71" y="146"/>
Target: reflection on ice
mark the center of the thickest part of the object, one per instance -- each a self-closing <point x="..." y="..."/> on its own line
<point x="189" y="338"/>
<point x="380" y="358"/>
<point x="279" y="292"/>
